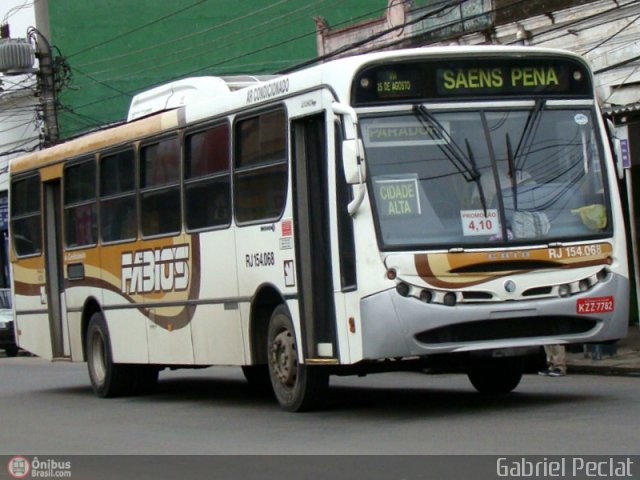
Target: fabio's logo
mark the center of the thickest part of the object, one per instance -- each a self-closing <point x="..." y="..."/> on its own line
<point x="19" y="467"/>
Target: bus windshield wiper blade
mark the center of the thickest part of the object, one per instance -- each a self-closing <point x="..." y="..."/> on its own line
<point x="450" y="148"/>
<point x="526" y="140"/>
<point x="512" y="172"/>
<point x="472" y="159"/>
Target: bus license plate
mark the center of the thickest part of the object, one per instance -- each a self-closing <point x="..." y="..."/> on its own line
<point x="595" y="305"/>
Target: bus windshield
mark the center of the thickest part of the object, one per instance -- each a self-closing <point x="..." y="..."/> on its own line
<point x="480" y="177"/>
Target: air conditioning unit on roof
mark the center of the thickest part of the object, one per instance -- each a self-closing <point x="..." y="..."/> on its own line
<point x="174" y="95"/>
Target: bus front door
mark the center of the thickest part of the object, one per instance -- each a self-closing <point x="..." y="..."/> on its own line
<point x="54" y="273"/>
<point x="313" y="236"/>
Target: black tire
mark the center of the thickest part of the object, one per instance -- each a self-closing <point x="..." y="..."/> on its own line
<point x="108" y="379"/>
<point x="11" y="351"/>
<point x="495" y="376"/>
<point x="257" y="377"/>
<point x="298" y="387"/>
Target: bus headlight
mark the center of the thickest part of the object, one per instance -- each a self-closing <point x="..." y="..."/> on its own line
<point x="449" y="299"/>
<point x="426" y="296"/>
<point x="583" y="285"/>
<point x="602" y="275"/>
<point x="402" y="289"/>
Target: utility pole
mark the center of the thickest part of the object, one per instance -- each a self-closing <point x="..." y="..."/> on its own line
<point x="47" y="86"/>
<point x="46" y="75"/>
<point x="17" y="57"/>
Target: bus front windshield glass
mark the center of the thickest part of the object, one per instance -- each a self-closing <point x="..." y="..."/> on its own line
<point x="481" y="177"/>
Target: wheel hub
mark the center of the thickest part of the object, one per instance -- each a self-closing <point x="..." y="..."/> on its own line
<point x="284" y="359"/>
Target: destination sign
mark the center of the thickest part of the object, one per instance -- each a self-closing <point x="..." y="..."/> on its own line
<point x="398" y="197"/>
<point x="513" y="77"/>
<point x="519" y="79"/>
<point x="404" y="132"/>
<point x="396" y="83"/>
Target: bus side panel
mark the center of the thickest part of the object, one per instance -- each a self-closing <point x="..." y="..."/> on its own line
<point x="30" y="306"/>
<point x="262" y="261"/>
<point x="73" y="301"/>
<point x="166" y="345"/>
<point x="127" y="324"/>
<point x="128" y="331"/>
<point x="216" y="328"/>
<point x="175" y="282"/>
<point x="81" y="270"/>
<point x="217" y="335"/>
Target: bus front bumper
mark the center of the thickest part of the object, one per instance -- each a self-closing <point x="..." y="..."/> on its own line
<point x="395" y="326"/>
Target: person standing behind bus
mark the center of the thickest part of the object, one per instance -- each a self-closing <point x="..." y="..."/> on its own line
<point x="556" y="361"/>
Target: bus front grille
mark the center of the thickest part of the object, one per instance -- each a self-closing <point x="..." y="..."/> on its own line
<point x="505" y="328"/>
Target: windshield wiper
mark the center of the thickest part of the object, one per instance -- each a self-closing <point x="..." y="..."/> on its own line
<point x="512" y="173"/>
<point x="472" y="159"/>
<point x="451" y="149"/>
<point x="526" y="140"/>
<point x="496" y="175"/>
<point x="466" y="166"/>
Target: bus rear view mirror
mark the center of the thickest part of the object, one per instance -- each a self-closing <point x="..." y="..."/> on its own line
<point x="352" y="148"/>
<point x="352" y="153"/>
<point x="354" y="172"/>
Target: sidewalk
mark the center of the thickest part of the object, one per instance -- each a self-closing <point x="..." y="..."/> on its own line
<point x="625" y="360"/>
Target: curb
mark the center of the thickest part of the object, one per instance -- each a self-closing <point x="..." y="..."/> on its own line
<point x="610" y="370"/>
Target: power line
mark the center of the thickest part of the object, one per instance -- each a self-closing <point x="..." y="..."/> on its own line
<point x="214" y="41"/>
<point x="618" y="64"/>
<point x="16" y="9"/>
<point x="205" y="44"/>
<point x="615" y="88"/>
<point x="565" y="26"/>
<point x="230" y="59"/>
<point x="101" y="82"/>
<point x="184" y="37"/>
<point x="606" y="40"/>
<point x="362" y="42"/>
<point x="142" y="27"/>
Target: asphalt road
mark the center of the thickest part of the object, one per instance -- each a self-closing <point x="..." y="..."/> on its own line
<point x="49" y="409"/>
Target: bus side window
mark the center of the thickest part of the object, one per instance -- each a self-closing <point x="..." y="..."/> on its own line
<point x="260" y="167"/>
<point x="80" y="215"/>
<point x="118" y="217"/>
<point x="207" y="178"/>
<point x="160" y="187"/>
<point x="26" y="230"/>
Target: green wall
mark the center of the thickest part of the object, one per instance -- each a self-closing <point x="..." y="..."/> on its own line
<point x="116" y="48"/>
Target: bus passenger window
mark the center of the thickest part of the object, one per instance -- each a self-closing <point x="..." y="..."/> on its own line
<point x="160" y="188"/>
<point x="207" y="179"/>
<point x="25" y="216"/>
<point x="80" y="216"/>
<point x="260" y="168"/>
<point x="118" y="217"/>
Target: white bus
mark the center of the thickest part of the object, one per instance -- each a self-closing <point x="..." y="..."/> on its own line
<point x="451" y="208"/>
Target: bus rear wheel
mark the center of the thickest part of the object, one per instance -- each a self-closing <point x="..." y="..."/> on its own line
<point x="297" y="386"/>
<point x="495" y="376"/>
<point x="108" y="379"/>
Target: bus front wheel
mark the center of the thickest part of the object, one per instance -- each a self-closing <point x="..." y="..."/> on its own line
<point x="495" y="376"/>
<point x="297" y="386"/>
<point x="108" y="379"/>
